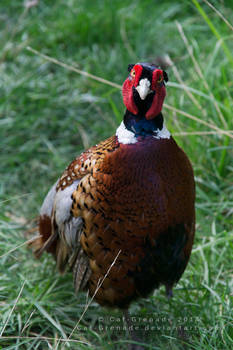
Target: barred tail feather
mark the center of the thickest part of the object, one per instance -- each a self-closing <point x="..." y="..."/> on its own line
<point x="81" y="271"/>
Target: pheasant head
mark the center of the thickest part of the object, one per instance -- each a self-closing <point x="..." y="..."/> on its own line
<point x="144" y="90"/>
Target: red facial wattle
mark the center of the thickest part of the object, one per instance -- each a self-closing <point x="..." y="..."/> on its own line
<point x="157" y="87"/>
<point x="127" y="89"/>
<point x="127" y="92"/>
<point x="160" y="93"/>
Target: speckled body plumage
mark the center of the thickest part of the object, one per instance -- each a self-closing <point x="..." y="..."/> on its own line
<point x="133" y="200"/>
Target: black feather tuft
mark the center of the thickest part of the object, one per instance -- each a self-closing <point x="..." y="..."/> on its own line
<point x="165" y="76"/>
<point x="130" y="66"/>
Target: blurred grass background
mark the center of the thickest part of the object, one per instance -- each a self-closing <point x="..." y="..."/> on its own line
<point x="49" y="114"/>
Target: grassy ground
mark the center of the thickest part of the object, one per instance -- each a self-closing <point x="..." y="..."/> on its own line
<point x="49" y="114"/>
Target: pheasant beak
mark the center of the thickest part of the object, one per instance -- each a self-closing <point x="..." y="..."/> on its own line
<point x="143" y="88"/>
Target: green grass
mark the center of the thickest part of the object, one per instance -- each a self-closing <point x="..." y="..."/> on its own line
<point x="49" y="114"/>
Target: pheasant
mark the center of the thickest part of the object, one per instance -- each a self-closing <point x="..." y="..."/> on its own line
<point x="122" y="214"/>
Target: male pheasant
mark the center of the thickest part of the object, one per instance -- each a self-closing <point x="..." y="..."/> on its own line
<point x="128" y="200"/>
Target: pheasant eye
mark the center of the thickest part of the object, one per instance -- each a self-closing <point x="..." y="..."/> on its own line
<point x="160" y="79"/>
<point x="132" y="73"/>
